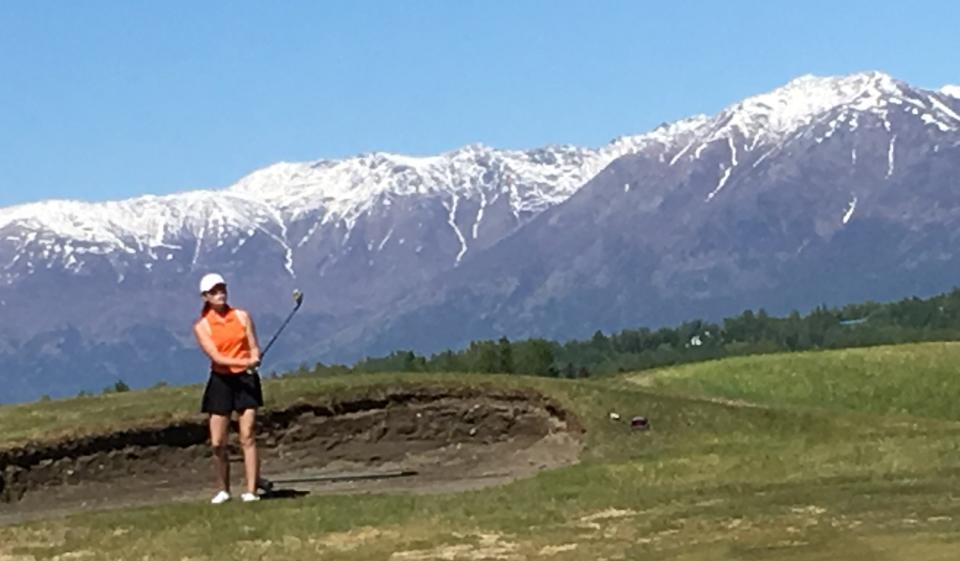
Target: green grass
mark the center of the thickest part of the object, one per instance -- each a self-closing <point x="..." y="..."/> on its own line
<point x="837" y="456"/>
<point x="915" y="379"/>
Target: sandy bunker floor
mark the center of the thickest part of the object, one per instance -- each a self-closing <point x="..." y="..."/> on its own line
<point x="452" y="439"/>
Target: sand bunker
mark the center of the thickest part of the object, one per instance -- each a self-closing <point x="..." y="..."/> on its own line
<point x="452" y="439"/>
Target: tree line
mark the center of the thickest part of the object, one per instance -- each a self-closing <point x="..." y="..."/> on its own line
<point x="752" y="332"/>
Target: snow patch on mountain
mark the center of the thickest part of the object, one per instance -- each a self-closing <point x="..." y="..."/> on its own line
<point x="952" y="91"/>
<point x="532" y="180"/>
<point x="851" y="206"/>
<point x="803" y="99"/>
<point x="763" y="124"/>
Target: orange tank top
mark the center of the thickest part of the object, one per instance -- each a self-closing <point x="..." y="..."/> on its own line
<point x="229" y="334"/>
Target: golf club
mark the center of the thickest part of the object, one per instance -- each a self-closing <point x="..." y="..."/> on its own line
<point x="298" y="299"/>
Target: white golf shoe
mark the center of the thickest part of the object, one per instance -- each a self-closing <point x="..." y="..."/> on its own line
<point x="220" y="498"/>
<point x="249" y="497"/>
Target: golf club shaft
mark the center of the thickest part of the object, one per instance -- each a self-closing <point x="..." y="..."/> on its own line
<point x="277" y="334"/>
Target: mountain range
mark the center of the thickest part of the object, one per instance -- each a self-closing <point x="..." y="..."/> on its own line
<point x="826" y="190"/>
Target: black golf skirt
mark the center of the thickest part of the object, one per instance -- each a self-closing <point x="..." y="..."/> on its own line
<point x="226" y="393"/>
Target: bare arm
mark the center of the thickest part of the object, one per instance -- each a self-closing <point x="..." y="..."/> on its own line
<point x="202" y="332"/>
<point x="251" y="335"/>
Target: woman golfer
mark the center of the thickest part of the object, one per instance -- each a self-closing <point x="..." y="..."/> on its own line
<point x="228" y="337"/>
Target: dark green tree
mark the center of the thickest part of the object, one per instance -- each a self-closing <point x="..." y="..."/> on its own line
<point x="504" y="356"/>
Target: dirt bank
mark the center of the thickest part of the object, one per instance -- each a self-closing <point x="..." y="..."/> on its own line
<point x="452" y="439"/>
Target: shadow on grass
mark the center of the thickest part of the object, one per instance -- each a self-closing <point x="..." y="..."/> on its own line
<point x="284" y="494"/>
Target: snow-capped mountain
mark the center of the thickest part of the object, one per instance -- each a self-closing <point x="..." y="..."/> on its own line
<point x="698" y="217"/>
<point x="288" y="203"/>
<point x="828" y="190"/>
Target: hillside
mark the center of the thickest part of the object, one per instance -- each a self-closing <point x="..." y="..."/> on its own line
<point x="910" y="380"/>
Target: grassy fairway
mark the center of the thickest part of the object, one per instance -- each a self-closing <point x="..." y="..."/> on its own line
<point x="801" y="473"/>
<point x="917" y="379"/>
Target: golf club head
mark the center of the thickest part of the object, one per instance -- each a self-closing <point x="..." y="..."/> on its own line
<point x="298" y="297"/>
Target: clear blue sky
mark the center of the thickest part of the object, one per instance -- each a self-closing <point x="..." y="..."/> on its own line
<point x="103" y="100"/>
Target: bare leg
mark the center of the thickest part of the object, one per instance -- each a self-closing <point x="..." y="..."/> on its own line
<point x="219" y="428"/>
<point x="248" y="441"/>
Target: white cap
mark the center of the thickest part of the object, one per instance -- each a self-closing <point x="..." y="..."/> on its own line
<point x="209" y="281"/>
